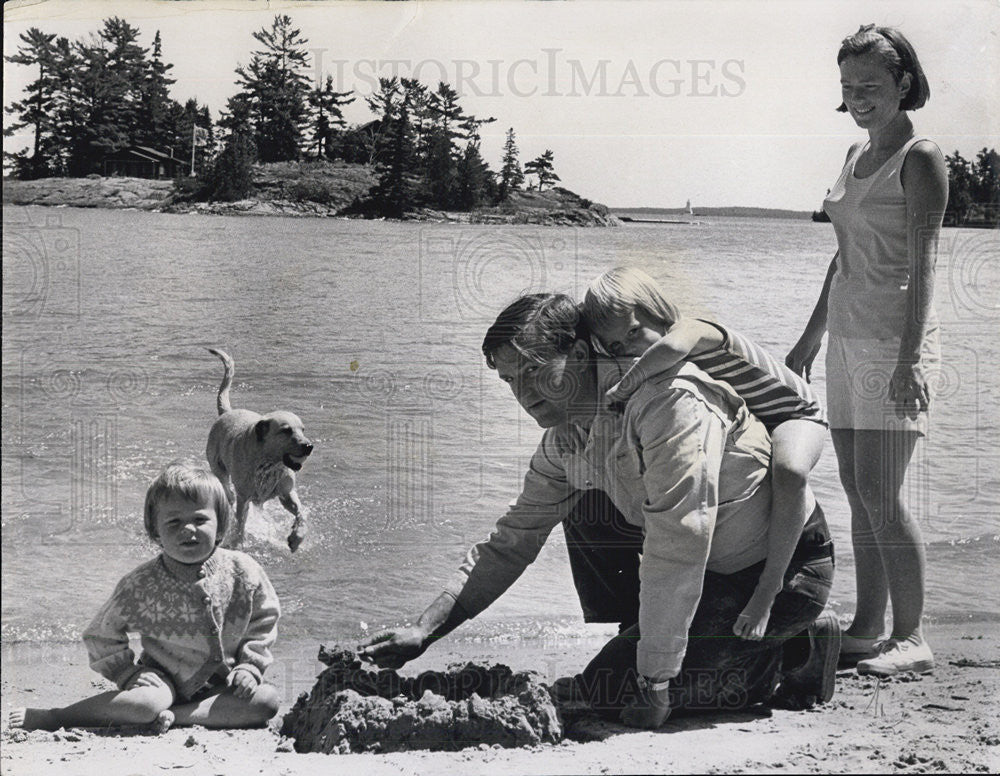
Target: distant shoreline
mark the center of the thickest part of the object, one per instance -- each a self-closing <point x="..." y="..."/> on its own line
<point x="696" y="212"/>
<point x="683" y="215"/>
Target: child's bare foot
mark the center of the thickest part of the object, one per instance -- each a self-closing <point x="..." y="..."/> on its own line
<point x="163" y="722"/>
<point x="33" y="719"/>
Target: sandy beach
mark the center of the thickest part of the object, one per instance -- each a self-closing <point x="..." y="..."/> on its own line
<point x="943" y="722"/>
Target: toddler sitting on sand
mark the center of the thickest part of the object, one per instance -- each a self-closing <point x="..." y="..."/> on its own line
<point x="207" y="618"/>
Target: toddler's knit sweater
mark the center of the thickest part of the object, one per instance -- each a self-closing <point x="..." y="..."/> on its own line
<point x="194" y="621"/>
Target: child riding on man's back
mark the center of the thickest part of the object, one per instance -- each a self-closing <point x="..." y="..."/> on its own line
<point x="629" y="316"/>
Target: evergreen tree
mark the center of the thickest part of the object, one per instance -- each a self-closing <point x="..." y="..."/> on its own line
<point x="96" y="96"/>
<point x="960" y="187"/>
<point x="183" y="119"/>
<point x="100" y="104"/>
<point x="986" y="189"/>
<point x="155" y="108"/>
<point x="230" y="176"/>
<point x="440" y="163"/>
<point x="69" y="110"/>
<point x="104" y="84"/>
<point x="511" y="175"/>
<point x="123" y="70"/>
<point x="396" y="190"/>
<point x="327" y="116"/>
<point x="476" y="185"/>
<point x="418" y="100"/>
<point x="384" y="103"/>
<point x="275" y="91"/>
<point x="35" y="110"/>
<point x="542" y="168"/>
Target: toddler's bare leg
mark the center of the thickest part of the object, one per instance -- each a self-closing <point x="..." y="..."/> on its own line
<point x="225" y="710"/>
<point x="136" y="706"/>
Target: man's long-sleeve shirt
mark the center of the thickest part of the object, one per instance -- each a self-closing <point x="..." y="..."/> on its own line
<point x="685" y="461"/>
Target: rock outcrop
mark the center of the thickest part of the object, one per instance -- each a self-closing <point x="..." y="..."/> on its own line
<point x="94" y="191"/>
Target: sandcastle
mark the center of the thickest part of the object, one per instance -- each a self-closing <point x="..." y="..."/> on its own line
<point x="354" y="707"/>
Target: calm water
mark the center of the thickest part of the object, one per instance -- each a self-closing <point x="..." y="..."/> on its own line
<point x="370" y="332"/>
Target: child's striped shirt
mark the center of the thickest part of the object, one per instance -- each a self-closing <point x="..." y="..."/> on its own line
<point x="772" y="391"/>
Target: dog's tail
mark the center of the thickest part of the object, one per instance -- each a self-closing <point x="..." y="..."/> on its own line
<point x="222" y="402"/>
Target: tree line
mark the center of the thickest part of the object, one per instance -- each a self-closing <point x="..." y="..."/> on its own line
<point x="973" y="189"/>
<point x="96" y="96"/>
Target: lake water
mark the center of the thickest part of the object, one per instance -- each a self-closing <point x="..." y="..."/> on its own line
<point x="370" y="331"/>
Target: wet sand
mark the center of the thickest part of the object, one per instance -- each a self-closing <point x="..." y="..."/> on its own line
<point x="946" y="721"/>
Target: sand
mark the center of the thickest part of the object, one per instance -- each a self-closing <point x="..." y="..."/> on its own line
<point x="947" y="721"/>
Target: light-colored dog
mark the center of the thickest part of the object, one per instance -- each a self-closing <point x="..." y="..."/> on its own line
<point x="256" y="457"/>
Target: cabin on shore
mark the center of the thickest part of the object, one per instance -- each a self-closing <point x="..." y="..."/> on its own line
<point x="144" y="162"/>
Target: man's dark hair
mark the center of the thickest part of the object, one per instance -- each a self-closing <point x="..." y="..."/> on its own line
<point x="539" y="326"/>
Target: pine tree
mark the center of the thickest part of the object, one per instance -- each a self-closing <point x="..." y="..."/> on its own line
<point x="987" y="182"/>
<point x="395" y="192"/>
<point x="542" y="168"/>
<point x="511" y="175"/>
<point x="103" y="84"/>
<point x="327" y="116"/>
<point x="183" y="119"/>
<point x="440" y="168"/>
<point x="35" y="110"/>
<point x="961" y="180"/>
<point x="69" y="109"/>
<point x="230" y="176"/>
<point x="123" y="69"/>
<point x="275" y="91"/>
<point x="476" y="185"/>
<point x="418" y="99"/>
<point x="155" y="108"/>
<point x="96" y="96"/>
<point x="384" y="103"/>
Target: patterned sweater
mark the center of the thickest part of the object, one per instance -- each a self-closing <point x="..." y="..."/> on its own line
<point x="194" y="621"/>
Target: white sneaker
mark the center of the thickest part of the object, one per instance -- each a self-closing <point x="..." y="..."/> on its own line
<point x="897" y="656"/>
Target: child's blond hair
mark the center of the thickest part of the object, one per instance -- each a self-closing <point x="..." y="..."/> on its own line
<point x="192" y="481"/>
<point x="624" y="290"/>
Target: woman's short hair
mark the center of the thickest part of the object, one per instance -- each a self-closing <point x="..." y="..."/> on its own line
<point x="621" y="291"/>
<point x="538" y="326"/>
<point x="898" y="56"/>
<point x="192" y="481"/>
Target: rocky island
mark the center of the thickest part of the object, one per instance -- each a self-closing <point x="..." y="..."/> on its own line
<point x="308" y="189"/>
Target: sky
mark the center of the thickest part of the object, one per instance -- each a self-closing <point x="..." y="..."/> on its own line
<point x="720" y="102"/>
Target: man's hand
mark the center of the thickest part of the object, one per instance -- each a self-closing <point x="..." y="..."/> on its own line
<point x="649" y="709"/>
<point x="243" y="682"/>
<point x="394" y="648"/>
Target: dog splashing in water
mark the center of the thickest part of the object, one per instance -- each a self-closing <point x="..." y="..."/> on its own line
<point x="256" y="457"/>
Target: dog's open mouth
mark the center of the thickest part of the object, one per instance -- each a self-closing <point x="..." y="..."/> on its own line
<point x="293" y="462"/>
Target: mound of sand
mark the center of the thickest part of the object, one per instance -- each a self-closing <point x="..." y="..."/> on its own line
<point x="354" y="707"/>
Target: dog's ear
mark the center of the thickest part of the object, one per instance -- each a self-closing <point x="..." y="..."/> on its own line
<point x="261" y="429"/>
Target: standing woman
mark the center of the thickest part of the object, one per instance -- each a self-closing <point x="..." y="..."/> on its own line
<point x="877" y="304"/>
